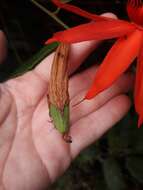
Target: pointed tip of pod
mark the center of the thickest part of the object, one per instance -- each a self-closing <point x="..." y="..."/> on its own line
<point x="67" y="138"/>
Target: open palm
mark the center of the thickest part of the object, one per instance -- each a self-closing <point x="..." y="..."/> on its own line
<point x="32" y="152"/>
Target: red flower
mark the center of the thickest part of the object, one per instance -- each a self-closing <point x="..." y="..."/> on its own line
<point x="128" y="46"/>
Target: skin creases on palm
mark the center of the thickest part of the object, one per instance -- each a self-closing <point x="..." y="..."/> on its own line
<point x="32" y="152"/>
<point x="24" y="132"/>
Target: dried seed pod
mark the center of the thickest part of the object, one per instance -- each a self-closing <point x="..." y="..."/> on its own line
<point x="58" y="96"/>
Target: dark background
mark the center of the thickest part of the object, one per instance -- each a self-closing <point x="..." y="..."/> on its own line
<point x="28" y="27"/>
<point x="115" y="162"/>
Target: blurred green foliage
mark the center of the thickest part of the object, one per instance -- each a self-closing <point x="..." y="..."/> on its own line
<point x="115" y="162"/>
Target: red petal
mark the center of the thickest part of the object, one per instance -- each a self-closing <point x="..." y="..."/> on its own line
<point x="93" y="31"/>
<point x="139" y="86"/>
<point x="79" y="11"/>
<point x="140" y="121"/>
<point x="135" y="11"/>
<point x="118" y="59"/>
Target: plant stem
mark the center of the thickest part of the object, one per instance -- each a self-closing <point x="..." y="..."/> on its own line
<point x="50" y="14"/>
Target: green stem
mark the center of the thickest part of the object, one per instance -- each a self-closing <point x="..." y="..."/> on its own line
<point x="58" y="9"/>
<point x="50" y="14"/>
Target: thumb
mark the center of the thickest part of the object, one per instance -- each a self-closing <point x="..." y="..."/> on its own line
<point x="3" y="47"/>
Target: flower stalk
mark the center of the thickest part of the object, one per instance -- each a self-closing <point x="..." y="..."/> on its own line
<point x="52" y="15"/>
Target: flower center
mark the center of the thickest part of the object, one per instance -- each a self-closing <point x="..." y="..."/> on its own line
<point x="135" y="11"/>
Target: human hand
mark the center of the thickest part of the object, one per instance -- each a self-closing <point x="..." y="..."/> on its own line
<point x="32" y="152"/>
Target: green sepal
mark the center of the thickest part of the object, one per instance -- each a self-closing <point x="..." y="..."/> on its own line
<point x="60" y="119"/>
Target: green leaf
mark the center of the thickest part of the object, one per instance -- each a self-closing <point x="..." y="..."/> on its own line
<point x="137" y="140"/>
<point x="35" y="60"/>
<point x="135" y="166"/>
<point x="119" y="136"/>
<point x="113" y="175"/>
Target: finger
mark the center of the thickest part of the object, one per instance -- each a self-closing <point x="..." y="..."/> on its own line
<point x="78" y="52"/>
<point x="122" y="85"/>
<point x="82" y="81"/>
<point x="89" y="129"/>
<point x="75" y="59"/>
<point x="3" y="47"/>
